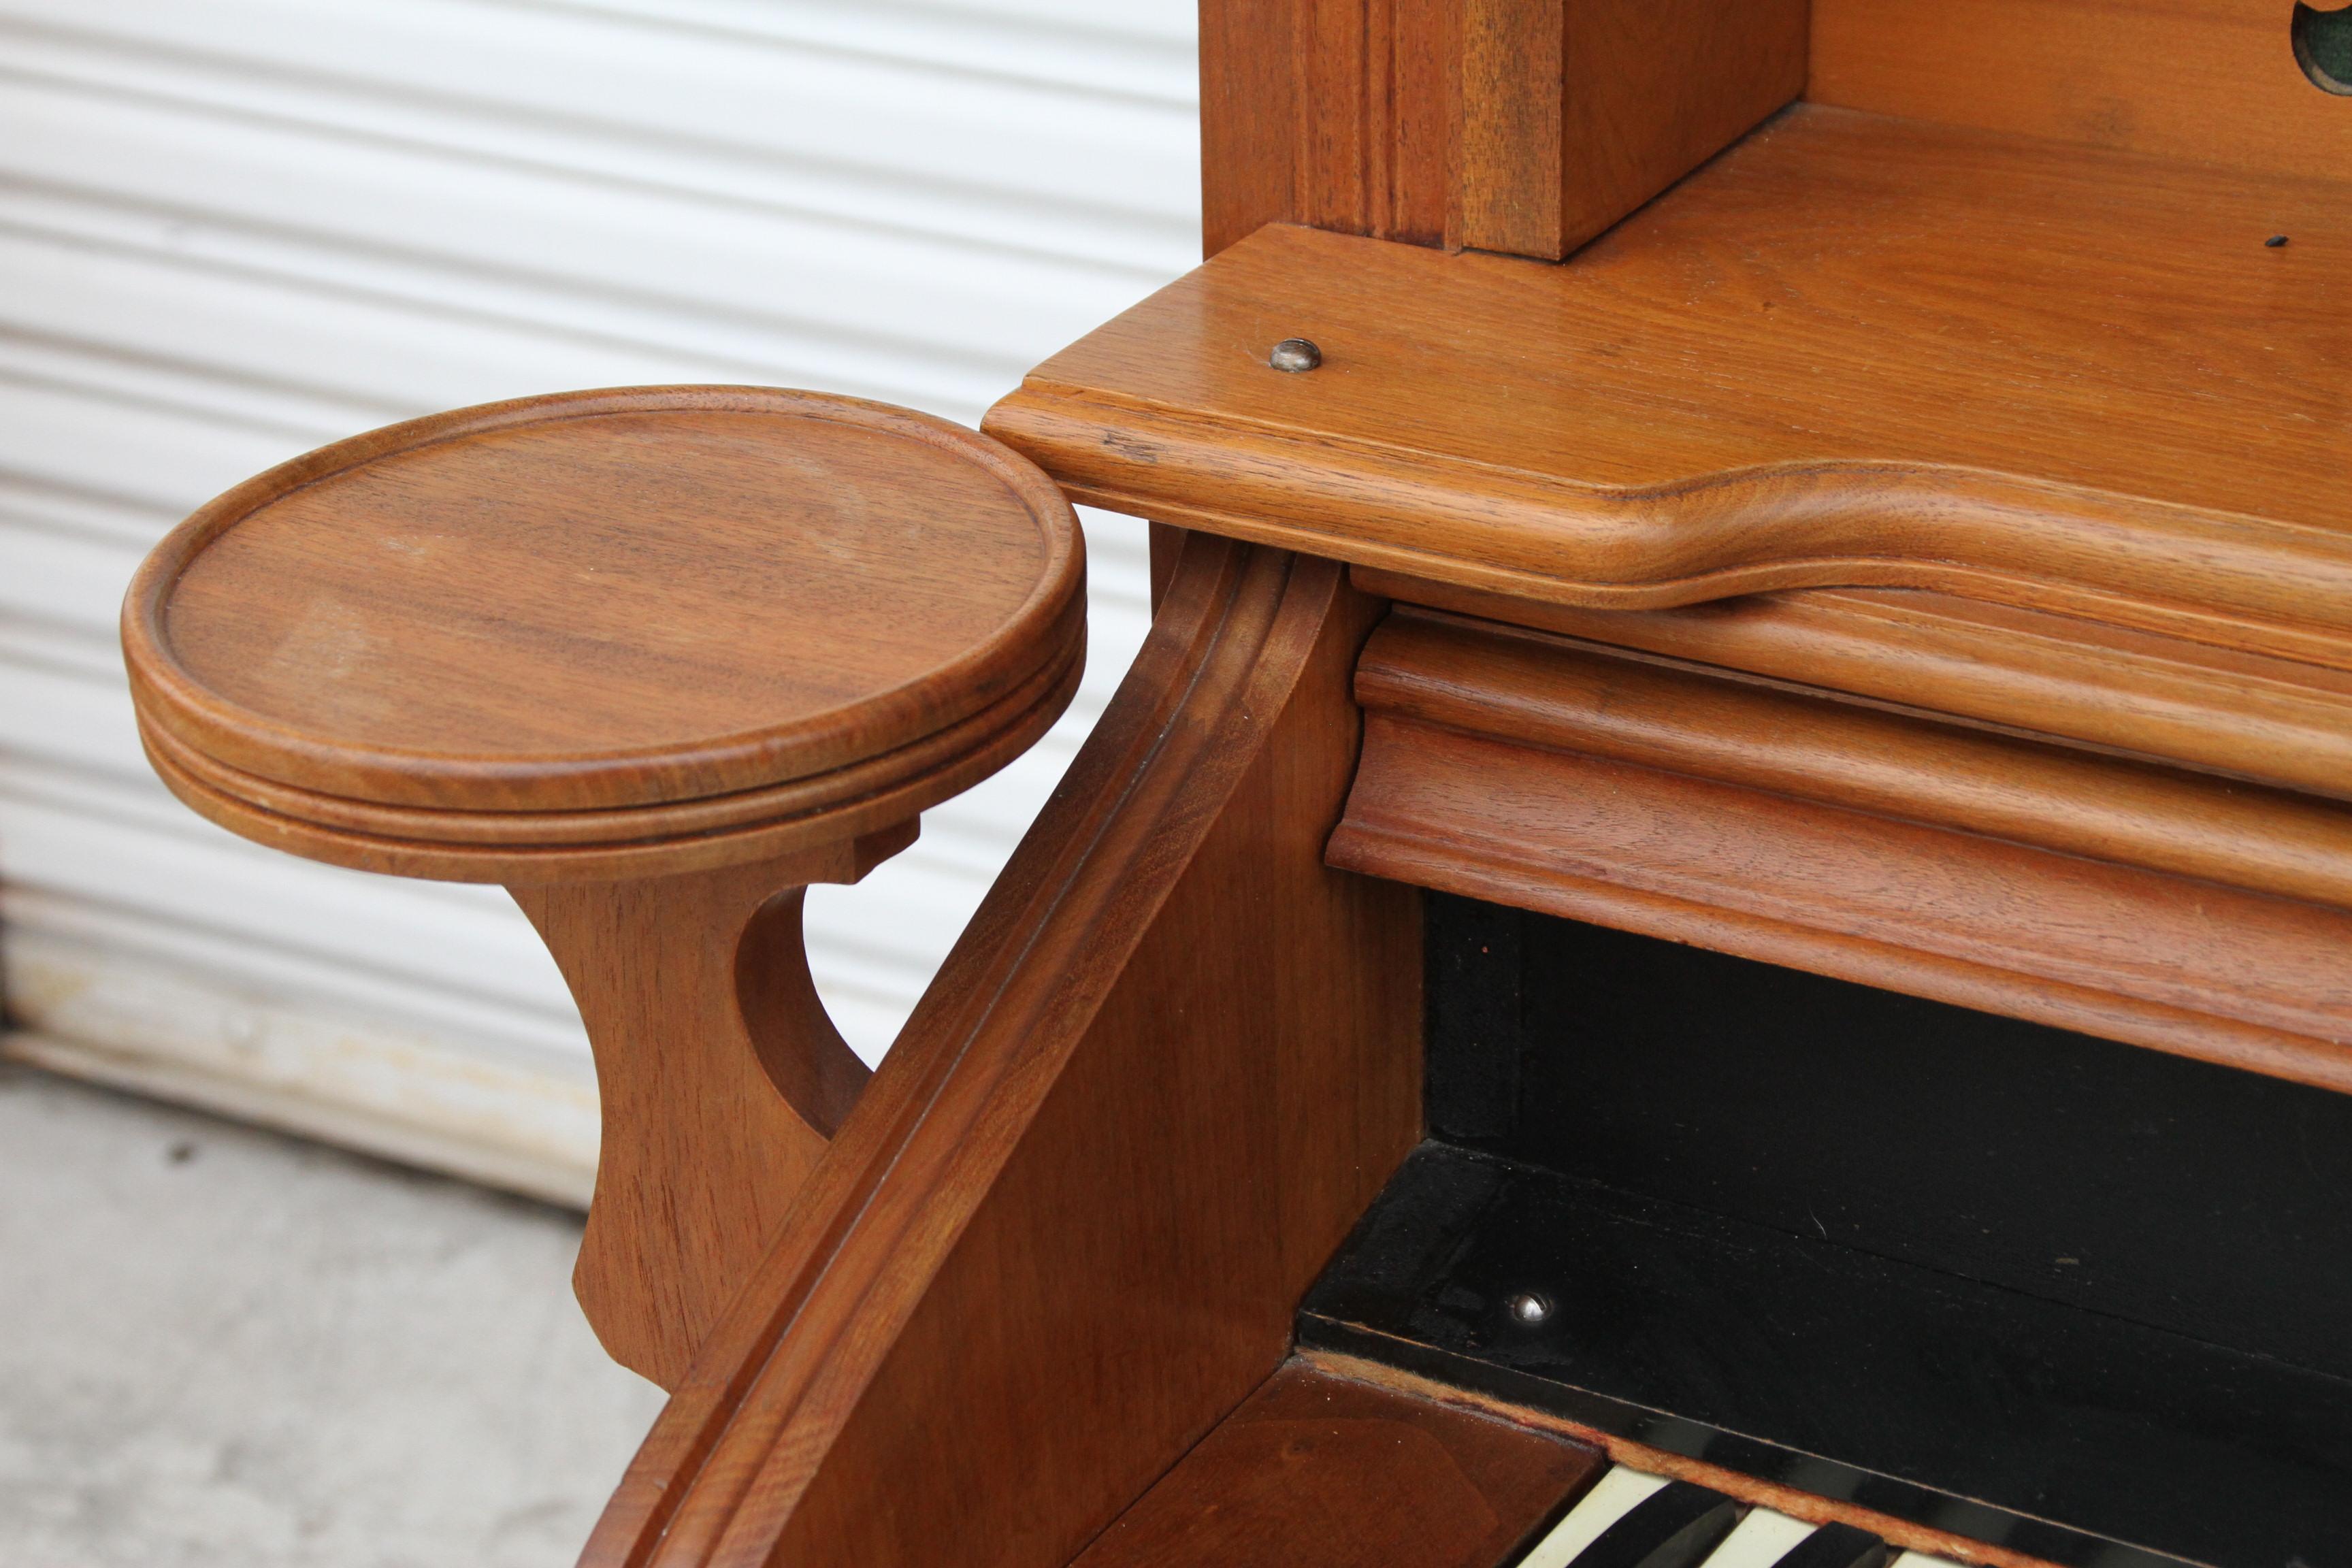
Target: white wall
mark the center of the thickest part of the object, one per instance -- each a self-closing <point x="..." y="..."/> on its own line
<point x="232" y="229"/>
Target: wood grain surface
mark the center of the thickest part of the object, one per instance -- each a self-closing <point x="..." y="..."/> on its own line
<point x="2206" y="81"/>
<point x="1331" y="112"/>
<point x="2256" y="718"/>
<point x="1851" y="351"/>
<point x="1063" y="1233"/>
<point x="604" y="600"/>
<point x="1901" y="1533"/>
<point x="1546" y="691"/>
<point x="1484" y="777"/>
<point x="1502" y="124"/>
<point x="1317" y="1471"/>
<point x="656" y="659"/>
<point x="1575" y="113"/>
<point x="718" y="1078"/>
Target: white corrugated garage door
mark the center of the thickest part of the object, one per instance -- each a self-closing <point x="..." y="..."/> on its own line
<point x="232" y="229"/>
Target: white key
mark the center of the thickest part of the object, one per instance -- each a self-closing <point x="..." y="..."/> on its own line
<point x="1612" y="1497"/>
<point x="1921" y="1560"/>
<point x="1762" y="1539"/>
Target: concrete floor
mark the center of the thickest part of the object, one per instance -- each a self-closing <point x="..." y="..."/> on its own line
<point x="220" y="1346"/>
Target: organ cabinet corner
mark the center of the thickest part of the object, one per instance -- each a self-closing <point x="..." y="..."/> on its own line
<point x="1715" y="928"/>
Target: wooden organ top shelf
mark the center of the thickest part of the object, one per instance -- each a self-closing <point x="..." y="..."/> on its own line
<point x="1852" y="350"/>
<point x="1716" y="919"/>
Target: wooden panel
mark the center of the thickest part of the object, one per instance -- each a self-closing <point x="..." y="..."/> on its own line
<point x="1501" y="124"/>
<point x="1460" y="798"/>
<point x="2208" y="81"/>
<point x="1654" y="87"/>
<point x="1314" y="1471"/>
<point x="1852" y="350"/>
<point x="1512" y="181"/>
<point x="1810" y="1506"/>
<point x="1338" y="114"/>
<point x="1165" y="1067"/>
<point x="2258" y="718"/>
<point x="1542" y="691"/>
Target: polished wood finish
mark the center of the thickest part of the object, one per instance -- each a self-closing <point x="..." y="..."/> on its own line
<point x="1552" y="693"/>
<point x="1062" y="1235"/>
<point x="1577" y="113"/>
<point x="1496" y="767"/>
<point x="1317" y="1471"/>
<point x="1499" y="124"/>
<point x="718" y="1077"/>
<point x="1331" y="112"/>
<point x="1901" y="1533"/>
<point x="2023" y="671"/>
<point x="607" y="633"/>
<point x="656" y="659"/>
<point x="1852" y="350"/>
<point x="2203" y="81"/>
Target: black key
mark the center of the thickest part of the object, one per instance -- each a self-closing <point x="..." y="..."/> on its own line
<point x="1673" y="1527"/>
<point x="1836" y="1546"/>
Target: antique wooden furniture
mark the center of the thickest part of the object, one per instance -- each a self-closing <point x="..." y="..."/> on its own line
<point x="656" y="660"/>
<point x="1732" y="848"/>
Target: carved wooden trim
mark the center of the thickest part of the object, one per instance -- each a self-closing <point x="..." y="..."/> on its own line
<point x="1486" y="775"/>
<point x="2026" y="672"/>
<point x="1437" y="669"/>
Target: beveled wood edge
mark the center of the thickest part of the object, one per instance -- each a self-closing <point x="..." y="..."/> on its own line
<point x="736" y="1450"/>
<point x="589" y="780"/>
<point x="2232" y="580"/>
<point x="666" y="847"/>
<point x="1530" y="688"/>
<point x="1807" y="1506"/>
<point x="1443" y="867"/>
<point x="1045" y="692"/>
<point x="2026" y="673"/>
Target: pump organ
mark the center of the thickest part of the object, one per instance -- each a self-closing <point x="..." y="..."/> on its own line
<point x="1717" y="925"/>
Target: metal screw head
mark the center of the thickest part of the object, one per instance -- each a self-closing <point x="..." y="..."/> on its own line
<point x="1528" y="1307"/>
<point x="1294" y="355"/>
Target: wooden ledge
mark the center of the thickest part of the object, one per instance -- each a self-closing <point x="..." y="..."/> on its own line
<point x="607" y="635"/>
<point x="1852" y="352"/>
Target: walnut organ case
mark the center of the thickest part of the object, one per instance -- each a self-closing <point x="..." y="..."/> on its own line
<point x="1716" y="927"/>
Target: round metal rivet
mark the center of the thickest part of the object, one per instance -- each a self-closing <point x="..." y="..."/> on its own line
<point x="1294" y="355"/>
<point x="1528" y="1307"/>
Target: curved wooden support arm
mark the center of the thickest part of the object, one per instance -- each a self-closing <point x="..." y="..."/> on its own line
<point x="656" y="660"/>
<point x="720" y="1075"/>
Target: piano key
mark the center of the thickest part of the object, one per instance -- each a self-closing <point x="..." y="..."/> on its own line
<point x="1921" y="1560"/>
<point x="1838" y="1546"/>
<point x="1612" y="1497"/>
<point x="1675" y="1527"/>
<point x="1763" y="1540"/>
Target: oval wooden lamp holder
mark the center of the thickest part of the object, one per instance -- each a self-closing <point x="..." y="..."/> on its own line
<point x="656" y="659"/>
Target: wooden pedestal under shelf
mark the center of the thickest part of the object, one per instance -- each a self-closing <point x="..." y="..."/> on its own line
<point x="656" y="660"/>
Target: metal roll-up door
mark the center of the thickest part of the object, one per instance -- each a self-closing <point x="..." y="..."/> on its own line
<point x="232" y="229"/>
